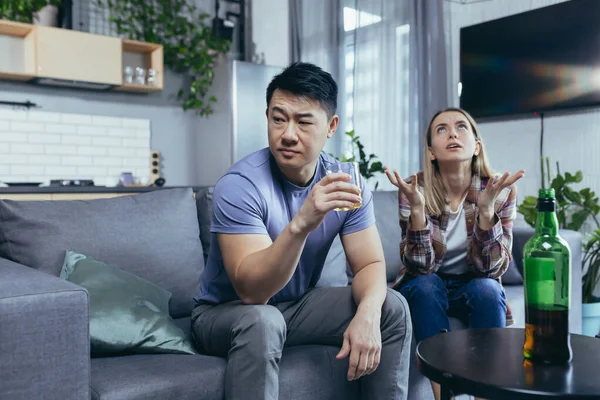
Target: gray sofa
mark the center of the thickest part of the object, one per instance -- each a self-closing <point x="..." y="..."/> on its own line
<point x="44" y="329"/>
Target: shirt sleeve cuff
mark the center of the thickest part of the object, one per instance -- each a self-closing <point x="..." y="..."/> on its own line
<point x="417" y="236"/>
<point x="491" y="235"/>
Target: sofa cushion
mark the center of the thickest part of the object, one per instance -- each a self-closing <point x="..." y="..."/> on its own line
<point x="305" y="372"/>
<point x="153" y="235"/>
<point x="336" y="270"/>
<point x="127" y="314"/>
<point x="515" y="296"/>
<point x="512" y="276"/>
<point x="388" y="226"/>
<point x="204" y="210"/>
<point x="158" y="376"/>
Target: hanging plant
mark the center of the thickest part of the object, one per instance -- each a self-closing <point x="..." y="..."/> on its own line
<point x="23" y="10"/>
<point x="190" y="47"/>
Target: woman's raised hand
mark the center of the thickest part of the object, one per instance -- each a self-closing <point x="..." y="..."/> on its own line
<point x="409" y="190"/>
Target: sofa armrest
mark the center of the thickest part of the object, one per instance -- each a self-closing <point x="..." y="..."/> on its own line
<point x="44" y="336"/>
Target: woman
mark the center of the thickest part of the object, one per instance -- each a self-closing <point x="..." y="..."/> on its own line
<point x="456" y="221"/>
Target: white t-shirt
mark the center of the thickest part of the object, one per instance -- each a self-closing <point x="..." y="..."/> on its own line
<point x="455" y="260"/>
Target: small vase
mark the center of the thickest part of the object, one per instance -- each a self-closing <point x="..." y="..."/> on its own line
<point x="47" y="16"/>
<point x="591" y="319"/>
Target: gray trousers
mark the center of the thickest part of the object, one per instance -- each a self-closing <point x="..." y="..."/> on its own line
<point x="252" y="337"/>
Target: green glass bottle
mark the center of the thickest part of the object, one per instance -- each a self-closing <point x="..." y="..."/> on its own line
<point x="547" y="278"/>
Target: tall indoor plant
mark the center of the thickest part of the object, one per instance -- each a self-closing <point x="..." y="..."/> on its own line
<point x="190" y="46"/>
<point x="367" y="165"/>
<point x="574" y="209"/>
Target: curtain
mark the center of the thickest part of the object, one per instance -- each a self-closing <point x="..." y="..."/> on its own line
<point x="316" y="28"/>
<point x="433" y="67"/>
<point x="388" y="58"/>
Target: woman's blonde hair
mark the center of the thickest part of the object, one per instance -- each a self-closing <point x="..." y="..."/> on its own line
<point x="434" y="190"/>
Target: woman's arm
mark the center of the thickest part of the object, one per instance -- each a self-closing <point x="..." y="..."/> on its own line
<point x="416" y="251"/>
<point x="492" y="235"/>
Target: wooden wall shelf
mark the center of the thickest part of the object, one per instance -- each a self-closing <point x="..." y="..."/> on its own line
<point x="137" y="88"/>
<point x="18" y="29"/>
<point x="147" y="56"/>
<point x="68" y="55"/>
<point x="16" y="76"/>
<point x="18" y="41"/>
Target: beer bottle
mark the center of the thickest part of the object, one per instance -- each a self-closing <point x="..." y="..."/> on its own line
<point x="547" y="279"/>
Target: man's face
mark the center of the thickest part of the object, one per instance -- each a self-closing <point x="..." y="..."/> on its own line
<point x="298" y="129"/>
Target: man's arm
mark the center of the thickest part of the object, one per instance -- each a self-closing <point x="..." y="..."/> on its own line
<point x="416" y="250"/>
<point x="259" y="268"/>
<point x="362" y="338"/>
<point x="365" y="255"/>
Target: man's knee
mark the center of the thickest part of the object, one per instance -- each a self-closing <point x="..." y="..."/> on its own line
<point x="428" y="286"/>
<point x="395" y="312"/>
<point x="260" y="331"/>
<point x="262" y="318"/>
<point x="485" y="291"/>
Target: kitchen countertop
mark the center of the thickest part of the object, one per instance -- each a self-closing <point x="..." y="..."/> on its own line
<point x="87" y="189"/>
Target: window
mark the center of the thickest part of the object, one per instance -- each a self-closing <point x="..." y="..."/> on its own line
<point x="376" y="89"/>
<point x="362" y="19"/>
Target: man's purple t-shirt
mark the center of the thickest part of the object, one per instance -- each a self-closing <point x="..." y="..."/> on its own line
<point x="254" y="197"/>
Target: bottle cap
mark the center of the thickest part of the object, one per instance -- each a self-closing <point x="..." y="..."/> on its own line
<point x="546" y="200"/>
<point x="546" y="193"/>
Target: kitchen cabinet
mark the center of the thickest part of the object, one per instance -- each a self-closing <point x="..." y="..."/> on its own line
<point x="78" y="56"/>
<point x="17" y="40"/>
<point x="62" y="57"/>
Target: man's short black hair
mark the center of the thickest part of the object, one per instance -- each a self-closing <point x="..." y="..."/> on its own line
<point x="307" y="80"/>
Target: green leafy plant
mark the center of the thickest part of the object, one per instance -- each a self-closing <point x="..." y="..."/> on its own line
<point x="573" y="209"/>
<point x="190" y="46"/>
<point x="22" y="10"/>
<point x="367" y="165"/>
<point x="591" y="250"/>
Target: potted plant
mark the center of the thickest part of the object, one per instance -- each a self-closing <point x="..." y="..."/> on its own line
<point x="40" y="12"/>
<point x="591" y="280"/>
<point x="574" y="209"/>
<point x="47" y="15"/>
<point x="367" y="165"/>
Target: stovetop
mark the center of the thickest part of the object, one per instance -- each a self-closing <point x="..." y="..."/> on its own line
<point x="72" y="182"/>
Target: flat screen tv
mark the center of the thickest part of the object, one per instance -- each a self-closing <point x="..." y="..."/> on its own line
<point x="541" y="60"/>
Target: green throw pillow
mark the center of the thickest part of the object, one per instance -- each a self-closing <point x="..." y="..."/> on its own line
<point x="128" y="314"/>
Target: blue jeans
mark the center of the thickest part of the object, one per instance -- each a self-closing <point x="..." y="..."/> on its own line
<point x="477" y="302"/>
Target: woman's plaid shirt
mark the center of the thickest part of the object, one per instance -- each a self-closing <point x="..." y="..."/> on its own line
<point x="488" y="251"/>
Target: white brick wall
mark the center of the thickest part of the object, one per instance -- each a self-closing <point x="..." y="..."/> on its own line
<point x="37" y="146"/>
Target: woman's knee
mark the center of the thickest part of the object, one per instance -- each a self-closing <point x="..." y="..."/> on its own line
<point x="486" y="291"/>
<point x="424" y="286"/>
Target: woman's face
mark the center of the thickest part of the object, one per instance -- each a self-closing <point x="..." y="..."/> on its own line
<point x="452" y="138"/>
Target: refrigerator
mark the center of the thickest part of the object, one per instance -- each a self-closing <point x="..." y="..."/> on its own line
<point x="238" y="125"/>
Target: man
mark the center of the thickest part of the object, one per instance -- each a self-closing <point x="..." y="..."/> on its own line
<point x="273" y="224"/>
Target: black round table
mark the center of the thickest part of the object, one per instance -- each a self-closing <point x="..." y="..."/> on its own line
<point x="489" y="363"/>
